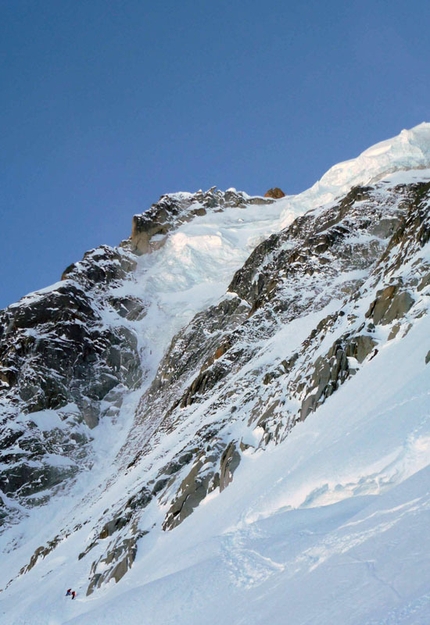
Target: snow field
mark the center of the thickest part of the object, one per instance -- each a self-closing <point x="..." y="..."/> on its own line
<point x="329" y="525"/>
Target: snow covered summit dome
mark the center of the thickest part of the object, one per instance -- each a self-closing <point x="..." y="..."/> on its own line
<point x="408" y="150"/>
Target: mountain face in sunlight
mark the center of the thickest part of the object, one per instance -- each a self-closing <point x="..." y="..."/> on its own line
<point x="228" y="414"/>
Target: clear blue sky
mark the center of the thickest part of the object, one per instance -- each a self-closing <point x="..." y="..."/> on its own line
<point x="106" y="105"/>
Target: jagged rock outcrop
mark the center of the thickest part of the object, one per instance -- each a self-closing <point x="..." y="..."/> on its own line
<point x="59" y="361"/>
<point x="213" y="468"/>
<point x="276" y="193"/>
<point x="390" y="304"/>
<point x="149" y="230"/>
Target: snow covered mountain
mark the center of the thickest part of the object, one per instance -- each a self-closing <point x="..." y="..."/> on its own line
<point x="228" y="416"/>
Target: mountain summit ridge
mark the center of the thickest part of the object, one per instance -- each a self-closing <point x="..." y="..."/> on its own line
<point x="171" y="389"/>
<point x="406" y="151"/>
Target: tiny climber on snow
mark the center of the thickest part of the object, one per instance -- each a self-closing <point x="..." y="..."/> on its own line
<point x="73" y="594"/>
<point x="69" y="592"/>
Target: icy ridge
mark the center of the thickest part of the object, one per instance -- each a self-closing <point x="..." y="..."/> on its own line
<point x="408" y="150"/>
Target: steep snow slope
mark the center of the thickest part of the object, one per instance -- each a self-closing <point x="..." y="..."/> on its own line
<point x="304" y="389"/>
<point x="330" y="525"/>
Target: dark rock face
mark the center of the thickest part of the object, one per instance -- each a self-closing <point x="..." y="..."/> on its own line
<point x="389" y="305"/>
<point x="62" y="332"/>
<point x="213" y="468"/>
<point x="101" y="267"/>
<point x="117" y="562"/>
<point x="58" y="361"/>
<point x="230" y="460"/>
<point x="333" y="370"/>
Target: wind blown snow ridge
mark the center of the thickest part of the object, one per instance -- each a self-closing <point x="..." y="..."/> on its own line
<point x="407" y="151"/>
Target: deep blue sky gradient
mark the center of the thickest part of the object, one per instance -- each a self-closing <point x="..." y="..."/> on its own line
<point x="106" y="105"/>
